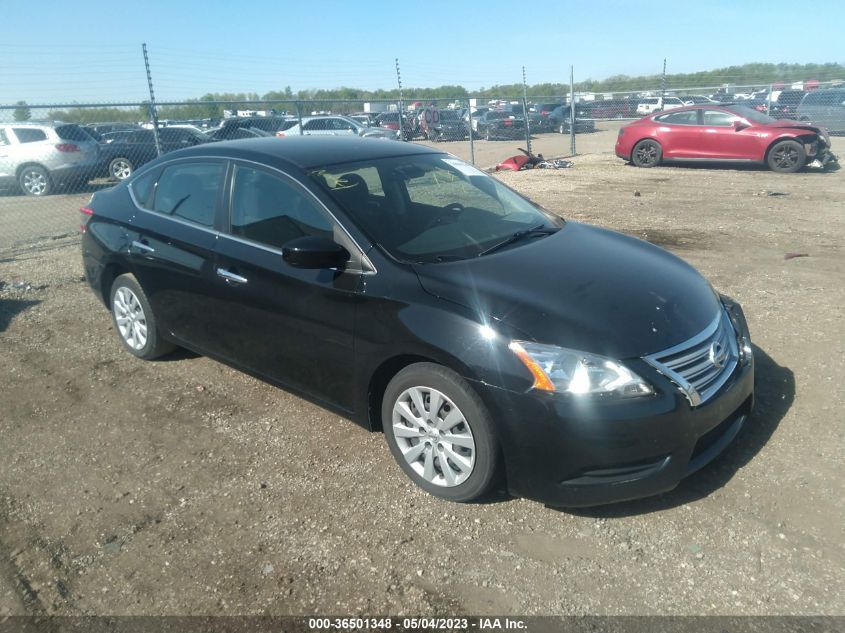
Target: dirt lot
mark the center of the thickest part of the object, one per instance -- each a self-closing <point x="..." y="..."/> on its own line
<point x="185" y="487"/>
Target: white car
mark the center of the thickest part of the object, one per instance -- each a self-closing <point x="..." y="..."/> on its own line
<point x="336" y="126"/>
<point x="650" y="105"/>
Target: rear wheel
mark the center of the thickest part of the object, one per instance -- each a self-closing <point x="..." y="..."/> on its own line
<point x="120" y="168"/>
<point x="134" y="319"/>
<point x="647" y="153"/>
<point x="34" y="180"/>
<point x="787" y="157"/>
<point x="440" y="433"/>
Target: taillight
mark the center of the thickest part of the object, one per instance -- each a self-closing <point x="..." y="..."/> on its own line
<point x="67" y="147"/>
<point x="280" y="134"/>
<point x="86" y="213"/>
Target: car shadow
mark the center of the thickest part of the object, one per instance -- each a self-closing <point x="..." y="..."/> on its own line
<point x="728" y="166"/>
<point x="774" y="394"/>
<point x="10" y="308"/>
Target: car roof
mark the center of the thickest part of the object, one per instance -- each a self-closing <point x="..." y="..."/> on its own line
<point x="307" y="152"/>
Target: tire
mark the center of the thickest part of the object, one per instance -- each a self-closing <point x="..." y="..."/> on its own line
<point x="473" y="467"/>
<point x="647" y="153"/>
<point x="432" y="136"/>
<point x="134" y="320"/>
<point x="786" y="157"/>
<point x="487" y="136"/>
<point x="121" y="168"/>
<point x="34" y="180"/>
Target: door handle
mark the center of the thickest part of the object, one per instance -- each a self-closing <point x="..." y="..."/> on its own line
<point x="144" y="248"/>
<point x="231" y="277"/>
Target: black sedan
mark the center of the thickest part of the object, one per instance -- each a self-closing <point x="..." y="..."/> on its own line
<point x="491" y="341"/>
<point x="121" y="157"/>
<point x="560" y="119"/>
<point x="494" y="124"/>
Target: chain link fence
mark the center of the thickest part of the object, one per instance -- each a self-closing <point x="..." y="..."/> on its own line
<point x="53" y="156"/>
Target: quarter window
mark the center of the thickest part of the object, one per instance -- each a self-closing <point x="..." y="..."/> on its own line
<point x="4" y="140"/>
<point x="189" y="191"/>
<point x="273" y="210"/>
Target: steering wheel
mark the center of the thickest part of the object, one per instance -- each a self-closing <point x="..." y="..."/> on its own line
<point x="452" y="211"/>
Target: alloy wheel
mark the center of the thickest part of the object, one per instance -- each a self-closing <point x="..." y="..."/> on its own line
<point x="35" y="182"/>
<point x="646" y="154"/>
<point x="130" y="318"/>
<point x="121" y="169"/>
<point x="786" y="157"/>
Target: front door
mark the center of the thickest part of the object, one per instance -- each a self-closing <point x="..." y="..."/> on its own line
<point x="289" y="324"/>
<point x="723" y="141"/>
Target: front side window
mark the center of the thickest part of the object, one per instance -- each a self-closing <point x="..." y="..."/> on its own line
<point x="435" y="207"/>
<point x="272" y="210"/>
<point x="29" y="134"/>
<point x="718" y="118"/>
<point x="189" y="191"/>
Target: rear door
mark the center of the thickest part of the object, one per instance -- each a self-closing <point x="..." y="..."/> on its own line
<point x="681" y="134"/>
<point x="7" y="169"/>
<point x="172" y="238"/>
<point x="289" y="324"/>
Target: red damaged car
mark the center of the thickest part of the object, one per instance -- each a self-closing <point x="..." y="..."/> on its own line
<point x="723" y="133"/>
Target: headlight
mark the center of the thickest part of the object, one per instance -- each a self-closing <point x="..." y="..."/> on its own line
<point x="558" y="369"/>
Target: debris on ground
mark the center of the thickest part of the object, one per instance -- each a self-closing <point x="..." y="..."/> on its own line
<point x="771" y="193"/>
<point x="531" y="161"/>
<point x="794" y="255"/>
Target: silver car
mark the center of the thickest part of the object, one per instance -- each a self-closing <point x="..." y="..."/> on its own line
<point x="335" y="125"/>
<point x="39" y="158"/>
<point x="825" y="108"/>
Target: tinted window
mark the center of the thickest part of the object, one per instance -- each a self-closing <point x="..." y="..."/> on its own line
<point x="142" y="188"/>
<point x="316" y="125"/>
<point x="272" y="210"/>
<point x="29" y="134"/>
<point x="142" y="136"/>
<point x="73" y="133"/>
<point x="189" y="191"/>
<point x="718" y="118"/>
<point x="690" y="117"/>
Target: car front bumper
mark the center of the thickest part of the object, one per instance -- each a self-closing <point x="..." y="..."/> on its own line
<point x="565" y="451"/>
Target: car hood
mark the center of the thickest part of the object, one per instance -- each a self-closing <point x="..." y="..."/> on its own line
<point x="800" y="125"/>
<point x="585" y="288"/>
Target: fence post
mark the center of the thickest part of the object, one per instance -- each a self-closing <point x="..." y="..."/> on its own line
<point x="572" y="110"/>
<point x="299" y="116"/>
<point x="471" y="142"/>
<point x="153" y="113"/>
<point x="769" y="100"/>
<point x="525" y="112"/>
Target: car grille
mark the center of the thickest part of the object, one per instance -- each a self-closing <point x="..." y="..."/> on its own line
<point x="701" y="365"/>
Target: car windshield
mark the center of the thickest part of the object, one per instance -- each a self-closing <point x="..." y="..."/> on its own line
<point x="750" y="114"/>
<point x="431" y="208"/>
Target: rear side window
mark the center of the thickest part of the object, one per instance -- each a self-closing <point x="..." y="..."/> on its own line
<point x="72" y="133"/>
<point x="272" y="210"/>
<point x="316" y="125"/>
<point x="690" y="117"/>
<point x="29" y="134"/>
<point x="142" y="188"/>
<point x="189" y="191"/>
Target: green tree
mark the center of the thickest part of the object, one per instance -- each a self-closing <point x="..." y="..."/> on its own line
<point x="22" y="113"/>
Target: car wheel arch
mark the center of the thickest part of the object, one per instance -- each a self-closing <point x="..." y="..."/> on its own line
<point x="23" y="166"/>
<point x="389" y="367"/>
<point x="111" y="272"/>
<point x="803" y="139"/>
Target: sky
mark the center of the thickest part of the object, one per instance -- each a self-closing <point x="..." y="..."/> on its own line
<point x="64" y="51"/>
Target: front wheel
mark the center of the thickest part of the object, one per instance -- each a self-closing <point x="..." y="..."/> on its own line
<point x="647" y="153"/>
<point x="440" y="433"/>
<point x="787" y="157"/>
<point x="120" y="168"/>
<point x="134" y="320"/>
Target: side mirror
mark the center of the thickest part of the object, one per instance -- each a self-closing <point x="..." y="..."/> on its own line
<point x="314" y="252"/>
<point x="739" y="126"/>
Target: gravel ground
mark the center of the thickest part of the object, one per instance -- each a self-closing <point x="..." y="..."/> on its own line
<point x="185" y="487"/>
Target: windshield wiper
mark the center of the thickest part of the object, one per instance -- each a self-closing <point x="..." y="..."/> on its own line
<point x="540" y="229"/>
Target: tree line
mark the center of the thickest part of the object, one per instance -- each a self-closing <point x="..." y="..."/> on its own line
<point x="349" y="99"/>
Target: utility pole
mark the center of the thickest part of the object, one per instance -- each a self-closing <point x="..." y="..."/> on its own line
<point x="525" y="112"/>
<point x="663" y="82"/>
<point x="153" y="113"/>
